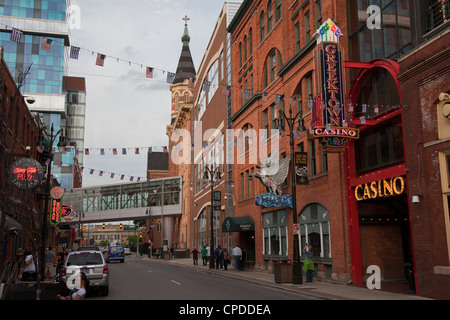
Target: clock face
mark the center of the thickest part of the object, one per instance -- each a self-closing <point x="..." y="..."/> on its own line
<point x="26" y="173"/>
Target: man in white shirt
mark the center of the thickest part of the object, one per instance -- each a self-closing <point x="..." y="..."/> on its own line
<point x="237" y="254"/>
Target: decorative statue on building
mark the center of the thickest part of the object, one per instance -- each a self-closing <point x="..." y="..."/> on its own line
<point x="273" y="172"/>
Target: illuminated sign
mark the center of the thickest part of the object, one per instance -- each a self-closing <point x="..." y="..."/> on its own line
<point x="26" y="173"/>
<point x="331" y="123"/>
<point x="273" y="200"/>
<point x="381" y="188"/>
<point x="55" y="217"/>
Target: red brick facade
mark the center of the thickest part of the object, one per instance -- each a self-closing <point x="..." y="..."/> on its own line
<point x="424" y="75"/>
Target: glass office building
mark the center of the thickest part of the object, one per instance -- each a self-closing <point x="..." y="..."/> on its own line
<point x="39" y="73"/>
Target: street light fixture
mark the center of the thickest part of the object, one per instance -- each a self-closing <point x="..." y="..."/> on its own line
<point x="62" y="143"/>
<point x="211" y="174"/>
<point x="297" y="277"/>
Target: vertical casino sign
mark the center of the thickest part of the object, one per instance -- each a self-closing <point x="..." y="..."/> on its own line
<point x="56" y="205"/>
<point x="26" y="174"/>
<point x="329" y="121"/>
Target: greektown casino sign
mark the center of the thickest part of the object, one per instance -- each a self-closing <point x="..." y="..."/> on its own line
<point x="329" y="120"/>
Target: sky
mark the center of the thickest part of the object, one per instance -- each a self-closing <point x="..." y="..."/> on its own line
<point x="124" y="109"/>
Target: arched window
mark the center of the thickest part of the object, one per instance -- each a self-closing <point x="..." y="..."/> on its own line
<point x="269" y="16"/>
<point x="245" y="48"/>
<point x="315" y="230"/>
<point x="272" y="67"/>
<point x="278" y="11"/>
<point x="240" y="54"/>
<point x="262" y="26"/>
<point x="250" y="41"/>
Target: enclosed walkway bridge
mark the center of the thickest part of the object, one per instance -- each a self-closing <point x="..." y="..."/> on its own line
<point x="157" y="198"/>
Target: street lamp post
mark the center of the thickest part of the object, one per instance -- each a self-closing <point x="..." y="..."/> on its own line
<point x="297" y="277"/>
<point x="61" y="143"/>
<point x="210" y="174"/>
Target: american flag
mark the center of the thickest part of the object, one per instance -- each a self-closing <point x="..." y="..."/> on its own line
<point x="191" y="83"/>
<point x="293" y="101"/>
<point x="16" y="35"/>
<point x="46" y="44"/>
<point x="149" y="72"/>
<point x="277" y="99"/>
<point x="226" y="91"/>
<point x="206" y="86"/>
<point x="170" y="77"/>
<point x="246" y="94"/>
<point x="264" y="96"/>
<point x="74" y="52"/>
<point x="100" y="59"/>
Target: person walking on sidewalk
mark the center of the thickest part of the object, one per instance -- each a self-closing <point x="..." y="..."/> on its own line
<point x="204" y="255"/>
<point x="236" y="254"/>
<point x="226" y="258"/>
<point x="49" y="263"/>
<point x="218" y="255"/>
<point x="195" y="256"/>
<point x="308" y="265"/>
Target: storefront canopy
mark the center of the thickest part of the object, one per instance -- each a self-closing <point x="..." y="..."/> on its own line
<point x="238" y="224"/>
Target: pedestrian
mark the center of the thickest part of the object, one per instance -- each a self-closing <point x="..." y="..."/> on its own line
<point x="29" y="270"/>
<point x="81" y="292"/>
<point x="60" y="258"/>
<point x="308" y="264"/>
<point x="171" y="253"/>
<point x="218" y="255"/>
<point x="237" y="255"/>
<point x="226" y="258"/>
<point x="49" y="263"/>
<point x="195" y="256"/>
<point x="242" y="262"/>
<point x="204" y="255"/>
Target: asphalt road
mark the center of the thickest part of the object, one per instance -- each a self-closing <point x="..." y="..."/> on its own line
<point x="143" y="279"/>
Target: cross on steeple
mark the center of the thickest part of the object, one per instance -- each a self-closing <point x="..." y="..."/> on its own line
<point x="186" y="19"/>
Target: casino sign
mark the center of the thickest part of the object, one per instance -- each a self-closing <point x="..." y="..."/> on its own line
<point x="329" y="116"/>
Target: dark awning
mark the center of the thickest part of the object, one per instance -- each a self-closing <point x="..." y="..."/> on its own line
<point x="237" y="224"/>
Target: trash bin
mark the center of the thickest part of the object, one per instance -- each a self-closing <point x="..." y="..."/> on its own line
<point x="283" y="272"/>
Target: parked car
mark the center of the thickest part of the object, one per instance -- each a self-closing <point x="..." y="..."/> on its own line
<point x="115" y="253"/>
<point x="127" y="251"/>
<point x="91" y="263"/>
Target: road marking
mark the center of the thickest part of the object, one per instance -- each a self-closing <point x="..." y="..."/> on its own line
<point x="150" y="271"/>
<point x="176" y="282"/>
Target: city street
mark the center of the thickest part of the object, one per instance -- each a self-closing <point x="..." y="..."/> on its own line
<point x="144" y="279"/>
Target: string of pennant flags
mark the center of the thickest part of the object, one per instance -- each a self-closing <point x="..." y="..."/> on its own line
<point x="16" y="35"/>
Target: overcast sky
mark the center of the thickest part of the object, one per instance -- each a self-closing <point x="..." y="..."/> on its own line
<point x="124" y="108"/>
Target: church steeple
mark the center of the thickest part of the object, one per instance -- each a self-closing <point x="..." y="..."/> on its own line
<point x="185" y="69"/>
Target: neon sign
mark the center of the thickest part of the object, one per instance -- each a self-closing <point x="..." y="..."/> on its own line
<point x="330" y="122"/>
<point x="26" y="173"/>
<point x="381" y="188"/>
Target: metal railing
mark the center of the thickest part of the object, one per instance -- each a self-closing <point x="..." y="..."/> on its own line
<point x="437" y="14"/>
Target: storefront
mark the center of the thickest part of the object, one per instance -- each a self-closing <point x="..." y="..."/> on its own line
<point x="379" y="218"/>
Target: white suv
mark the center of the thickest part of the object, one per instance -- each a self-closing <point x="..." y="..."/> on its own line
<point x="92" y="264"/>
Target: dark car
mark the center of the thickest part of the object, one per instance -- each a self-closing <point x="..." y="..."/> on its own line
<point x="116" y="253"/>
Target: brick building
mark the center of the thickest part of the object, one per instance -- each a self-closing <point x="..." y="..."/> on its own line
<point x="273" y="44"/>
<point x="210" y="120"/>
<point x="20" y="209"/>
<point x="425" y="75"/>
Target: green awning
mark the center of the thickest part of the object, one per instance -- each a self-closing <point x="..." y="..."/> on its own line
<point x="238" y="224"/>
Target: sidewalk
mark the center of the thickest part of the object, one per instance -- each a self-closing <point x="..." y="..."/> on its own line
<point x="317" y="289"/>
